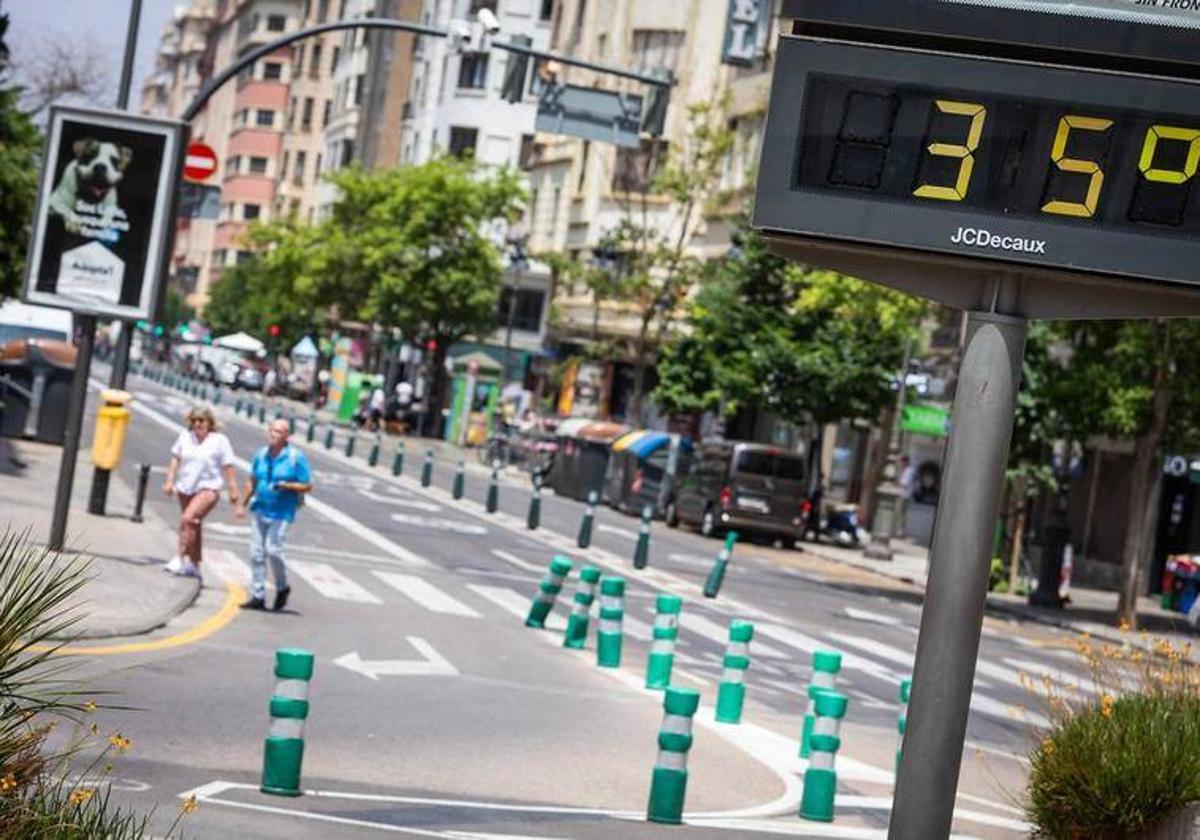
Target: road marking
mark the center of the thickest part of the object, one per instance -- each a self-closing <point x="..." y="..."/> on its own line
<point x="432" y="663"/>
<point x="321" y="508"/>
<point x="331" y="583"/>
<point x="226" y="528"/>
<point x="450" y="525"/>
<point x="425" y="594"/>
<point x="402" y="501"/>
<point x="808" y="644"/>
<point x="228" y="566"/>
<point x="1059" y="677"/>
<point x="513" y="602"/>
<point x="620" y="532"/>
<point x="715" y="632"/>
<point x="228" y="612"/>
<point x="517" y="561"/>
<point x="872" y="617"/>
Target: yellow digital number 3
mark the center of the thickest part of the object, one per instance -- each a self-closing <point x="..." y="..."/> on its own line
<point x="1084" y="167"/>
<point x="964" y="152"/>
<point x="1169" y="132"/>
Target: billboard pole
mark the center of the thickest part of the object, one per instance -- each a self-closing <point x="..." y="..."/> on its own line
<point x="952" y="618"/>
<point x="66" y="468"/>
<point x="98" y="498"/>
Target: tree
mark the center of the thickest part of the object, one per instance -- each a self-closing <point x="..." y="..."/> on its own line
<point x="20" y="149"/>
<point x="59" y="69"/>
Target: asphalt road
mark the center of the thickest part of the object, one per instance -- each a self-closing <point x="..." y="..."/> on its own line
<point x="496" y="731"/>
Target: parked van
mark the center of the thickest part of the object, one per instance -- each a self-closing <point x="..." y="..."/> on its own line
<point x="750" y="488"/>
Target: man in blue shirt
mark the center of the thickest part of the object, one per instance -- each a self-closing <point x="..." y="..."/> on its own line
<point x="279" y="478"/>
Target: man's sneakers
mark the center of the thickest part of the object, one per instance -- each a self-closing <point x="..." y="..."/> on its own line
<point x="174" y="565"/>
<point x="281" y="598"/>
<point x="254" y="604"/>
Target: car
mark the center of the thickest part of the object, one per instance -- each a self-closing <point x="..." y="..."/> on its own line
<point x="754" y="489"/>
<point x="251" y="374"/>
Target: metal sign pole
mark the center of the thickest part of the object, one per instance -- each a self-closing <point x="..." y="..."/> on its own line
<point x="952" y="618"/>
<point x="66" y="468"/>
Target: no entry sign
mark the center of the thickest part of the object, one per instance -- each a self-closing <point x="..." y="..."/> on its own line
<point x="200" y="162"/>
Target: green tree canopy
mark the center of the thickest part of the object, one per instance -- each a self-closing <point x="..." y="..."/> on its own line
<point x="20" y="149"/>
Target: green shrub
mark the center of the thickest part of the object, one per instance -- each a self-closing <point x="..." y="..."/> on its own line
<point x="1114" y="766"/>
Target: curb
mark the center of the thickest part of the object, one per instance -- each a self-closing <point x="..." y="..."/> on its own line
<point x="140" y="626"/>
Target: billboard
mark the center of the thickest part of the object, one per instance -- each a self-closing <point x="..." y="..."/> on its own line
<point x="104" y="208"/>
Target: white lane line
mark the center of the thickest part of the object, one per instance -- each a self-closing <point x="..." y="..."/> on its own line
<point x="513" y="602"/>
<point x="620" y="532"/>
<point x="716" y="633"/>
<point x="425" y="594"/>
<point x="331" y="583"/>
<point x="517" y="561"/>
<point x="808" y="644"/>
<point x="312" y="502"/>
<point x="400" y="501"/>
<point x="872" y="617"/>
<point x="451" y="525"/>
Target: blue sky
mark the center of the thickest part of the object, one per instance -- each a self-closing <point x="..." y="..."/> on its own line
<point x="98" y="22"/>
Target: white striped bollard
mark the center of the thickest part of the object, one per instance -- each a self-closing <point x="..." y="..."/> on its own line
<point x="820" y="779"/>
<point x="589" y="514"/>
<point x="731" y="694"/>
<point x="612" y="614"/>
<point x="581" y="608"/>
<point x="283" y="751"/>
<point x="548" y="590"/>
<point x="662" y="648"/>
<point x="668" y="785"/>
<point x="641" y="551"/>
<point x="712" y="586"/>
<point x="902" y="718"/>
<point x="826" y="664"/>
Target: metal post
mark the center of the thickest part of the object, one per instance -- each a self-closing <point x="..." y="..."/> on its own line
<point x="952" y="620"/>
<point x="66" y="468"/>
<point x="143" y="482"/>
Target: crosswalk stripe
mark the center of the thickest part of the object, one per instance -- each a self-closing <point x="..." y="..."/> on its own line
<point x="425" y="594"/>
<point x="800" y="641"/>
<point x="872" y="617"/>
<point x="513" y="602"/>
<point x="716" y="633"/>
<point x="227" y="565"/>
<point x="508" y="557"/>
<point x="331" y="583"/>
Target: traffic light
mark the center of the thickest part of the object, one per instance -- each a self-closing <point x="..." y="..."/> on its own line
<point x="658" y="97"/>
<point x="516" y="71"/>
<point x="273" y="331"/>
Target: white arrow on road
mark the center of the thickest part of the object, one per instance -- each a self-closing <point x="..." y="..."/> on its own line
<point x="433" y="664"/>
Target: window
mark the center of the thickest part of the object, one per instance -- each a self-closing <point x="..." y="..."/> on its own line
<point x="317" y="168"/>
<point x="526" y="155"/>
<point x="490" y="5"/>
<point x="264" y="117"/>
<point x="218" y="256"/>
<point x="291" y="113"/>
<point x="322" y="10"/>
<point x="547" y="10"/>
<point x="656" y="48"/>
<point x="325" y="114"/>
<point x="583" y="164"/>
<point x="337" y="54"/>
<point x="306" y="117"/>
<point x="284" y="163"/>
<point x="462" y="140"/>
<point x="531" y="212"/>
<point x="244" y="256"/>
<point x="472" y="71"/>
<point x="314" y="64"/>
<point x="250" y="212"/>
<point x="298" y="172"/>
<point x="276" y="23"/>
<point x="359" y="82"/>
<point x="234" y="165"/>
<point x="526" y="313"/>
<point x="347" y="152"/>
<point x="272" y="71"/>
<point x="258" y="165"/>
<point x="298" y="64"/>
<point x="635" y="168"/>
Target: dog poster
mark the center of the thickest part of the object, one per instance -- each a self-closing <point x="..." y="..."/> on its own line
<point x="100" y="233"/>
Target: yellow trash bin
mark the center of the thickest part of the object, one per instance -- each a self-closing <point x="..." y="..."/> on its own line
<point x="112" y="420"/>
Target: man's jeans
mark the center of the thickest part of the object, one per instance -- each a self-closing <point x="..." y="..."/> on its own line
<point x="266" y="540"/>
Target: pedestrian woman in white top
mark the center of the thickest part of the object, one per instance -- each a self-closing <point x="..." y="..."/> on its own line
<point x="199" y="459"/>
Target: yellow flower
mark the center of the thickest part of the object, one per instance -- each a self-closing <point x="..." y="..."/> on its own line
<point x="190" y="804"/>
<point x="120" y="742"/>
<point x="1048" y="747"/>
<point x="80" y="795"/>
<point x="89" y="706"/>
<point x="1125" y="626"/>
<point x="1106" y="705"/>
<point x="8" y="783"/>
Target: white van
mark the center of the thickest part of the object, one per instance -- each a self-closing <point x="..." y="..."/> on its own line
<point x="23" y="320"/>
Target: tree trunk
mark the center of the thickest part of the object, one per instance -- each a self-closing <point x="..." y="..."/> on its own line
<point x="1139" y="499"/>
<point x="639" y="375"/>
<point x="437" y="389"/>
<point x="876" y="461"/>
<point x="1018" y="505"/>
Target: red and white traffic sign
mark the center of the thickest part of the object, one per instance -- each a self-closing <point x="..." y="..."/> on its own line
<point x="199" y="163"/>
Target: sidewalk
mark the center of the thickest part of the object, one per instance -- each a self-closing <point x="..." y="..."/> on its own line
<point x="127" y="594"/>
<point x="1090" y="610"/>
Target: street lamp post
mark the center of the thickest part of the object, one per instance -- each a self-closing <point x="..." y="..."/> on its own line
<point x="517" y="263"/>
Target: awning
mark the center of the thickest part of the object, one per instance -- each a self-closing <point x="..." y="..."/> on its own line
<point x="649" y="442"/>
<point x="621" y="444"/>
<point x="240" y="341"/>
<point x="603" y="431"/>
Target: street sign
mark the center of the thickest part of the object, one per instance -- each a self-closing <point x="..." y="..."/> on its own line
<point x="925" y="419"/>
<point x="1071" y="177"/>
<point x="746" y="25"/>
<point x="103" y="213"/>
<point x="199" y="201"/>
<point x="200" y="162"/>
<point x="605" y="116"/>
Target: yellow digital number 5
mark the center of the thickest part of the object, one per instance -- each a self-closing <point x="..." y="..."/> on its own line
<point x="965" y="151"/>
<point x="1085" y="167"/>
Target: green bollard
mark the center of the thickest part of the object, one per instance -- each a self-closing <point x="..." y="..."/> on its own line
<point x="669" y="782"/>
<point x="459" y="479"/>
<point x="350" y="441"/>
<point x="612" y="613"/>
<point x="237" y="407"/>
<point x="589" y="515"/>
<point x="427" y="469"/>
<point x="283" y="751"/>
<point x="262" y="413"/>
<point x="398" y="460"/>
<point x="278" y="413"/>
<point x="217" y="395"/>
<point x="731" y="694"/>
<point x="902" y="719"/>
<point x="311" y="433"/>
<point x="662" y="648"/>
<point x="548" y="590"/>
<point x="577" y="624"/>
<point x="820" y="779"/>
<point x="329" y="438"/>
<point x="641" y="553"/>
<point x="373" y="455"/>
<point x="826" y="665"/>
<point x="712" y="586"/>
<point x="493" y="493"/>
<point x="535" y="507"/>
<point x="291" y="422"/>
